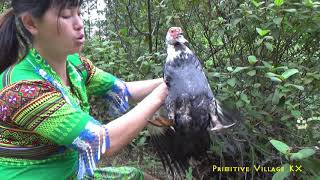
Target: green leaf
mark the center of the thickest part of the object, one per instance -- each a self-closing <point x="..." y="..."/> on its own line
<point x="100" y="49"/>
<point x="257" y="85"/>
<point x="209" y="63"/>
<point x="296" y="113"/>
<point x="278" y="2"/>
<point x="290" y="10"/>
<point x="308" y="3"/>
<point x="314" y="119"/>
<point x="142" y="141"/>
<point x="232" y="82"/>
<point x="269" y="46"/>
<point x="239" y="104"/>
<point x="266" y="64"/>
<point x="262" y="32"/>
<point x="189" y="174"/>
<point x="235" y="21"/>
<point x="238" y="69"/>
<point x="244" y="98"/>
<point x="280" y="146"/>
<point x="259" y="42"/>
<point x="123" y="31"/>
<point x="252" y="59"/>
<point x="252" y="73"/>
<point x="256" y="4"/>
<point x="268" y="38"/>
<point x="313" y="165"/>
<point x="278" y="20"/>
<point x="280" y="175"/>
<point x="303" y="153"/>
<point x="271" y="74"/>
<point x="301" y="88"/>
<point x="230" y="69"/>
<point x="276" y="97"/>
<point x="289" y="73"/>
<point x="284" y="68"/>
<point x="169" y="19"/>
<point x="214" y="74"/>
<point x="275" y="79"/>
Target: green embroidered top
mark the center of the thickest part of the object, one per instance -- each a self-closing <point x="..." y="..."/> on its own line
<point x="37" y="124"/>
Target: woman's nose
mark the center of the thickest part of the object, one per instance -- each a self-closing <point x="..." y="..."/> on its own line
<point x="78" y="23"/>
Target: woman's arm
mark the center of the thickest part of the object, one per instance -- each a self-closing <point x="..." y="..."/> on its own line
<point x="122" y="130"/>
<point x="140" y="89"/>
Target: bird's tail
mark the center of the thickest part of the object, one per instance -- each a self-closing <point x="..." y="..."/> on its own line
<point x="177" y="151"/>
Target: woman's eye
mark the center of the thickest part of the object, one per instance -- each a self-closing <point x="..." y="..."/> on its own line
<point x="66" y="13"/>
<point x="65" y="16"/>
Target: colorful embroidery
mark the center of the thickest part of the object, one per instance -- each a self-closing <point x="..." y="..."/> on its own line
<point x="7" y="76"/>
<point x="91" y="144"/>
<point x="88" y="66"/>
<point x="118" y="98"/>
<point x="17" y="95"/>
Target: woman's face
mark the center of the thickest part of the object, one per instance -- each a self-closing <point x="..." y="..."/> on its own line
<point x="63" y="34"/>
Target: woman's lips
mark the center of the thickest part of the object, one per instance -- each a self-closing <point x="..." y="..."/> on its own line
<point x="80" y="39"/>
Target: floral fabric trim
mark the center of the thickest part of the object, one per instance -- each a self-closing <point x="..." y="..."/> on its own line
<point x="91" y="144"/>
<point x="118" y="98"/>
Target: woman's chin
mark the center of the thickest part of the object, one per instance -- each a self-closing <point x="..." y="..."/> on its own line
<point x="76" y="49"/>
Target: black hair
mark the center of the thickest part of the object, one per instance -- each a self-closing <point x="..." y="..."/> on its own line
<point x="15" y="39"/>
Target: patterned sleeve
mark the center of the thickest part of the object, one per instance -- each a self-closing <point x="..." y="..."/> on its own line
<point x="91" y="143"/>
<point x="36" y="106"/>
<point x="104" y="84"/>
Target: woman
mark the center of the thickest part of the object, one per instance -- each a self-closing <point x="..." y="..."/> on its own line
<point x="46" y="131"/>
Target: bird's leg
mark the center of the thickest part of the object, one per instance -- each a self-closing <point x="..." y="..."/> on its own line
<point x="160" y="118"/>
<point x="215" y="124"/>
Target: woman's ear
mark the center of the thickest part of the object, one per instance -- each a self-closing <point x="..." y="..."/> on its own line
<point x="29" y="23"/>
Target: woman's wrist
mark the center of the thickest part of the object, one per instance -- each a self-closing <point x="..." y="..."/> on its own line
<point x="153" y="100"/>
<point x="159" y="81"/>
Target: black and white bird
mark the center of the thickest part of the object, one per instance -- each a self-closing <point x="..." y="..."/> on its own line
<point x="191" y="111"/>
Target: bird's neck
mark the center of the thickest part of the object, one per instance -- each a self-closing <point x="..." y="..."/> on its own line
<point x="174" y="51"/>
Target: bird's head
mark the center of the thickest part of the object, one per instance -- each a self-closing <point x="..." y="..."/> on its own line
<point x="174" y="35"/>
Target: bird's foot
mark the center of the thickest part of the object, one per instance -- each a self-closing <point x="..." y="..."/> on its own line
<point x="216" y="125"/>
<point x="162" y="122"/>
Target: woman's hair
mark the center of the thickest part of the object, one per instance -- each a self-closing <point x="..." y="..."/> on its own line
<point x="15" y="39"/>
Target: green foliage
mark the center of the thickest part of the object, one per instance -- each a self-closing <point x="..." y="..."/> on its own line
<point x="302" y="156"/>
<point x="280" y="146"/>
<point x="4" y="5"/>
<point x="282" y="174"/>
<point x="189" y="174"/>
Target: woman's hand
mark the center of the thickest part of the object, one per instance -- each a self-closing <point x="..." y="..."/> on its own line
<point x="140" y="89"/>
<point x="160" y="93"/>
<point x="123" y="129"/>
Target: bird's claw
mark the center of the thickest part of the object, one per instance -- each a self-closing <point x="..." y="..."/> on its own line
<point x="220" y="127"/>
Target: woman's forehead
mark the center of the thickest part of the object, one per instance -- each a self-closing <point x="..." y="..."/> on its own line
<point x="61" y="4"/>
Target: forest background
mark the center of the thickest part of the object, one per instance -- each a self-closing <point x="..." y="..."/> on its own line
<point x="261" y="57"/>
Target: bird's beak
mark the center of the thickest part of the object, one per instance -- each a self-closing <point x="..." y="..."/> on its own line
<point x="181" y="39"/>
